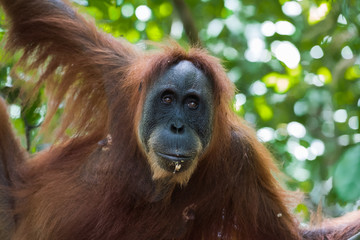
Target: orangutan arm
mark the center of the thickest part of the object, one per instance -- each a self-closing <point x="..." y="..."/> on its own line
<point x="70" y="52"/>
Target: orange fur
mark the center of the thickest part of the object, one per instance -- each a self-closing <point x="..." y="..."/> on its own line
<point x="11" y="155"/>
<point x="78" y="190"/>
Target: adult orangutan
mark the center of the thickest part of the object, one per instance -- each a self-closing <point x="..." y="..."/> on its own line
<point x="156" y="152"/>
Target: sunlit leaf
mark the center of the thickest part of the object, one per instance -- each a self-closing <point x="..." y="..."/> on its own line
<point x="306" y="186"/>
<point x="114" y="13"/>
<point x="264" y="110"/>
<point x="132" y="36"/>
<point x="303" y="211"/>
<point x="280" y="82"/>
<point x="325" y="74"/>
<point x="154" y="32"/>
<point x="295" y="72"/>
<point x="165" y="9"/>
<point x="318" y="13"/>
<point x="105" y="27"/>
<point x="95" y="12"/>
<point x="353" y="72"/>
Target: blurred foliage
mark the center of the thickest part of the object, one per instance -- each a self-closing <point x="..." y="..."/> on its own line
<point x="296" y="65"/>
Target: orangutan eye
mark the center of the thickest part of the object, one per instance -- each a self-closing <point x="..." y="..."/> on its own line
<point x="167" y="97"/>
<point x="193" y="104"/>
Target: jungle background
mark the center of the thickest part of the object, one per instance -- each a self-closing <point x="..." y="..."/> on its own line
<point x="296" y="65"/>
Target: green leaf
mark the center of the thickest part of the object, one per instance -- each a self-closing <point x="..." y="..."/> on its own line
<point x="303" y="211"/>
<point x="165" y="9"/>
<point x="280" y="82"/>
<point x="306" y="186"/>
<point x="154" y="32"/>
<point x="114" y="13"/>
<point x="347" y="175"/>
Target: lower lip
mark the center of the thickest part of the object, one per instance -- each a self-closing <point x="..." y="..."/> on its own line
<point x="174" y="158"/>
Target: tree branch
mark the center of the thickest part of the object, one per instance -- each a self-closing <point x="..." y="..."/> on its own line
<point x="188" y="22"/>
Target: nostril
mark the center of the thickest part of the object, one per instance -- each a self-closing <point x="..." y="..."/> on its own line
<point x="181" y="129"/>
<point x="173" y="128"/>
<point x="177" y="129"/>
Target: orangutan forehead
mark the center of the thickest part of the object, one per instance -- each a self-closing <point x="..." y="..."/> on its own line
<point x="185" y="75"/>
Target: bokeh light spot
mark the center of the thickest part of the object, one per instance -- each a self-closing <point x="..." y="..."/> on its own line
<point x="15" y="111"/>
<point x="286" y="52"/>
<point x="291" y="8"/>
<point x="340" y="116"/>
<point x="258" y="88"/>
<point x="233" y="5"/>
<point x="285" y="28"/>
<point x="240" y="99"/>
<point x="317" y="147"/>
<point x="347" y="53"/>
<point x="316" y="52"/>
<point x="215" y="27"/>
<point x="127" y="10"/>
<point x="296" y="129"/>
<point x="342" y="20"/>
<point x="143" y="13"/>
<point x="317" y="14"/>
<point x="177" y="29"/>
<point x="354" y="122"/>
<point x="266" y="134"/>
<point x="268" y="28"/>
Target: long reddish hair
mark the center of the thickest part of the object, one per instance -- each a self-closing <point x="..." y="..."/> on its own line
<point x="92" y="186"/>
<point x="215" y="202"/>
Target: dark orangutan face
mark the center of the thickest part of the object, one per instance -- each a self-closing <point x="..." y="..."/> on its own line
<point x="176" y="123"/>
